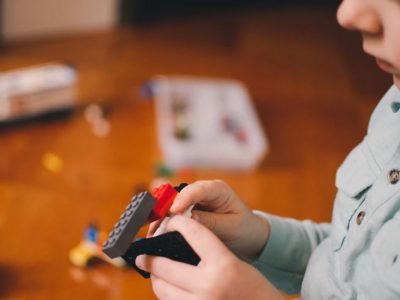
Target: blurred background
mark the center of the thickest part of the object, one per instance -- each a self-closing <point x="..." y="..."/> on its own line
<point x="79" y="138"/>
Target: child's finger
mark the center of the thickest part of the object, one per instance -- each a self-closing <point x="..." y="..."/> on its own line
<point x="202" y="240"/>
<point x="217" y="223"/>
<point x="167" y="291"/>
<point x="152" y="228"/>
<point x="176" y="273"/>
<point x="201" y="192"/>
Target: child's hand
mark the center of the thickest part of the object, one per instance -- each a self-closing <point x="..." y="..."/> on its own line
<point x="219" y="275"/>
<point x="224" y="213"/>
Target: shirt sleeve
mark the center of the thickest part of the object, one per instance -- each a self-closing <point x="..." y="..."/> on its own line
<point x="284" y="258"/>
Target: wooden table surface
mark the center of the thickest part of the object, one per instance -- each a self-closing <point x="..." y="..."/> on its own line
<point x="313" y="89"/>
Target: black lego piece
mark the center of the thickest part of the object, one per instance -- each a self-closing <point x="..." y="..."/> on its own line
<point x="180" y="187"/>
<point x="133" y="218"/>
<point x="171" y="245"/>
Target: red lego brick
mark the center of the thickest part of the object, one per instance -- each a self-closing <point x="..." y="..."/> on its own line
<point x="165" y="195"/>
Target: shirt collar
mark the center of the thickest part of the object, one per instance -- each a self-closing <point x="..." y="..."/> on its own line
<point x="383" y="136"/>
<point x="368" y="160"/>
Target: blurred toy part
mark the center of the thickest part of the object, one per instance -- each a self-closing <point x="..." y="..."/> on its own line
<point x="89" y="249"/>
<point x="35" y="91"/>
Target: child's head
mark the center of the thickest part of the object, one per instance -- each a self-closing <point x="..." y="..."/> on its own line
<point x="379" y="23"/>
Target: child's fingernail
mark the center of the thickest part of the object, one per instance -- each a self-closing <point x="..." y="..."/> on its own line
<point x="195" y="217"/>
<point x="140" y="261"/>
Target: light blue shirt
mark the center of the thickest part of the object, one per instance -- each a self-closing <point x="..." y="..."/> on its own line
<point x="357" y="255"/>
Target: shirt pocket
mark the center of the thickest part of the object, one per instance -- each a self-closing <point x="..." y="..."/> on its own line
<point x="353" y="180"/>
<point x="358" y="172"/>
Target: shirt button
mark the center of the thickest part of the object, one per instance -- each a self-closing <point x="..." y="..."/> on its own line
<point x="360" y="217"/>
<point x="394" y="176"/>
<point x="395" y="106"/>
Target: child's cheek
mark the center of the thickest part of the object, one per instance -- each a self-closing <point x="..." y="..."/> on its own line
<point x="392" y="45"/>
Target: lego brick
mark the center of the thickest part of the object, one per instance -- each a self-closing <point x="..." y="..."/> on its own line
<point x="171" y="245"/>
<point x="133" y="218"/>
<point x="180" y="187"/>
<point x="165" y="196"/>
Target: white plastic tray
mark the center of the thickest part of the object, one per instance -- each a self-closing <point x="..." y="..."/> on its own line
<point x="206" y="123"/>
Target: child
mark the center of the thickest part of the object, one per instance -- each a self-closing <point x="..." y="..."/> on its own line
<point x="357" y="256"/>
